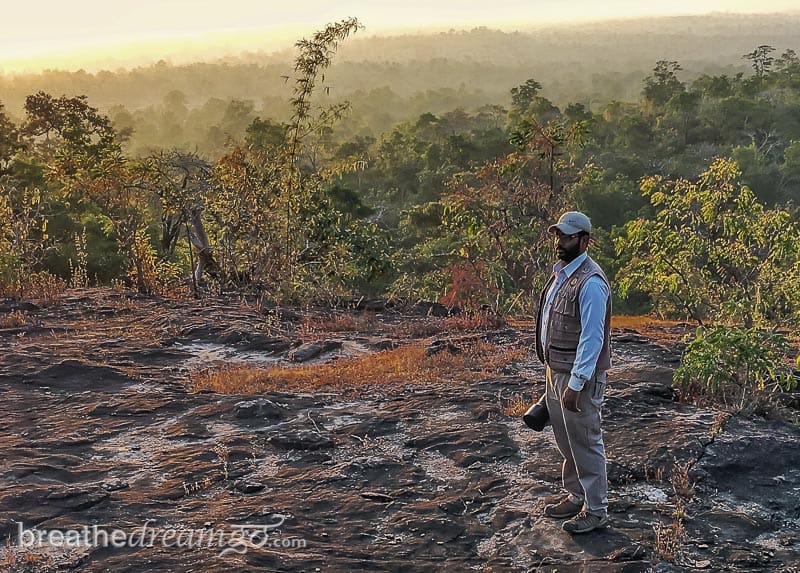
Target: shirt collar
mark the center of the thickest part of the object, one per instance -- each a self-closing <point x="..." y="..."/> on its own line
<point x="572" y="266"/>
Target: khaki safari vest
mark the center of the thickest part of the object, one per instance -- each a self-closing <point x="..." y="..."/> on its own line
<point x="564" y="324"/>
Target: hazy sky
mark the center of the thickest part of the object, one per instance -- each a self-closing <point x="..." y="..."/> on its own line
<point x="111" y="33"/>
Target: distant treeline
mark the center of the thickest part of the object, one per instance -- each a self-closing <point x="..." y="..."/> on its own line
<point x="204" y="106"/>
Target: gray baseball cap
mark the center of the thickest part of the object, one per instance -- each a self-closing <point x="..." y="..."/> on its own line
<point x="572" y="222"/>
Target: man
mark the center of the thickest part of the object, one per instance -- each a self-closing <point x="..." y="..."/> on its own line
<point x="573" y="341"/>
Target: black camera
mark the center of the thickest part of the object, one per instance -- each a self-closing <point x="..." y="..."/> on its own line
<point x="537" y="416"/>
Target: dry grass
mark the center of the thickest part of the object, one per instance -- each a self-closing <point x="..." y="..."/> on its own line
<point x="679" y="513"/>
<point x="654" y="475"/>
<point x="515" y="407"/>
<point x="719" y="423"/>
<point x="495" y="357"/>
<point x="120" y="303"/>
<point x="314" y="328"/>
<point x="682" y="484"/>
<point x="668" y="540"/>
<point x="20" y="561"/>
<point x="190" y="487"/>
<point x="417" y="328"/>
<point x="407" y="365"/>
<point x="14" y="319"/>
<point x="462" y="323"/>
<point x="664" y="330"/>
<point x="477" y="321"/>
<point x="41" y="286"/>
<point x="639" y="321"/>
<point x="8" y="559"/>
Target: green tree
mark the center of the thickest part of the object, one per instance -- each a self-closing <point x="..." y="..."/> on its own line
<point x="10" y="141"/>
<point x="737" y="367"/>
<point x="713" y="252"/>
<point x="524" y="95"/>
<point x="761" y="59"/>
<point x="790" y="172"/>
<point x="90" y="179"/>
<point x="663" y="84"/>
<point x="275" y="219"/>
<point x="528" y="105"/>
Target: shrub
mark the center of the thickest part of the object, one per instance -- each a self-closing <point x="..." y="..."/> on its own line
<point x="739" y="367"/>
<point x="713" y="252"/>
<point x="151" y="275"/>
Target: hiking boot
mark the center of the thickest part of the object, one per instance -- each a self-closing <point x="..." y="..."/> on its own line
<point x="565" y="508"/>
<point x="584" y="523"/>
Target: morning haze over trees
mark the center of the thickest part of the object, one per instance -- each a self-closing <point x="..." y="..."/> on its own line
<point x="430" y="167"/>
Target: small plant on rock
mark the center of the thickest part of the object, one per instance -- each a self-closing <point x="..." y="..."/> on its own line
<point x="738" y="367"/>
<point x="682" y="484"/>
<point x="669" y="540"/>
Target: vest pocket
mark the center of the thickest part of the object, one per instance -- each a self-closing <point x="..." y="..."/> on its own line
<point x="599" y="388"/>
<point x="565" y="305"/>
<point x="560" y="359"/>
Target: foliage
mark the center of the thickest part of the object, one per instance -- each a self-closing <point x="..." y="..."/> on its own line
<point x="78" y="276"/>
<point x="274" y="221"/>
<point x="712" y="252"/>
<point x="664" y="84"/>
<point x="151" y="275"/>
<point x="735" y="366"/>
<point x="451" y="203"/>
<point x="491" y="246"/>
<point x="10" y="140"/>
<point x="180" y="180"/>
<point x="761" y="59"/>
<point x="85" y="167"/>
<point x="23" y="232"/>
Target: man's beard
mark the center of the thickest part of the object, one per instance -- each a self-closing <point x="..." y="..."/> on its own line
<point x="569" y="254"/>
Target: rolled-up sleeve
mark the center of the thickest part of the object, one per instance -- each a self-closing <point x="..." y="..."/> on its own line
<point x="593" y="298"/>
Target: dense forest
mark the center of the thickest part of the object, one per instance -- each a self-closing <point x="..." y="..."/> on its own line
<point x="416" y="189"/>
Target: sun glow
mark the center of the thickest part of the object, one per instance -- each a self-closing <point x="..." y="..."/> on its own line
<point x="95" y="34"/>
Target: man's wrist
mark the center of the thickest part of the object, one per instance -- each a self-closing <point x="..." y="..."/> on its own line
<point x="576" y="383"/>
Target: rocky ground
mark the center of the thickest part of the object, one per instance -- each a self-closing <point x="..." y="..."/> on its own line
<point x="99" y="429"/>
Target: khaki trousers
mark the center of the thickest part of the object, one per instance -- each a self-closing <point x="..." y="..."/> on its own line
<point x="580" y="440"/>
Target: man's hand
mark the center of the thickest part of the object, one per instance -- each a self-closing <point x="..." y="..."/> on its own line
<point x="570" y="399"/>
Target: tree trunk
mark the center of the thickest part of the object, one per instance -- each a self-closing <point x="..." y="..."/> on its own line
<point x="199" y="238"/>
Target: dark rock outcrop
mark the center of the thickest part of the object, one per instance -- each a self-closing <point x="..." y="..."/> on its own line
<point x="98" y="428"/>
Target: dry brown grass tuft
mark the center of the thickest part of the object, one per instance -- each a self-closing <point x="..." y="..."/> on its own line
<point x="719" y="423"/>
<point x="40" y="286"/>
<point x="515" y="407"/>
<point x="407" y="365"/>
<point x="494" y="357"/>
<point x="668" y="540"/>
<point x="682" y="484"/>
<point x="654" y="474"/>
<point x="461" y="323"/>
<point x="14" y="319"/>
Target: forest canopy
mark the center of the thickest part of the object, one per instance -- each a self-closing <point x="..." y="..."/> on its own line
<point x="361" y="169"/>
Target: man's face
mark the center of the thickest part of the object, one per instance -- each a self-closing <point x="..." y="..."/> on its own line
<point x="567" y="246"/>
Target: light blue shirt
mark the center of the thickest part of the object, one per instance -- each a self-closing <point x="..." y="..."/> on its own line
<point x="593" y="297"/>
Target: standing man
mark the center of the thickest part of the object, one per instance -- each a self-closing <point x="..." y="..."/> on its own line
<point x="573" y="341"/>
